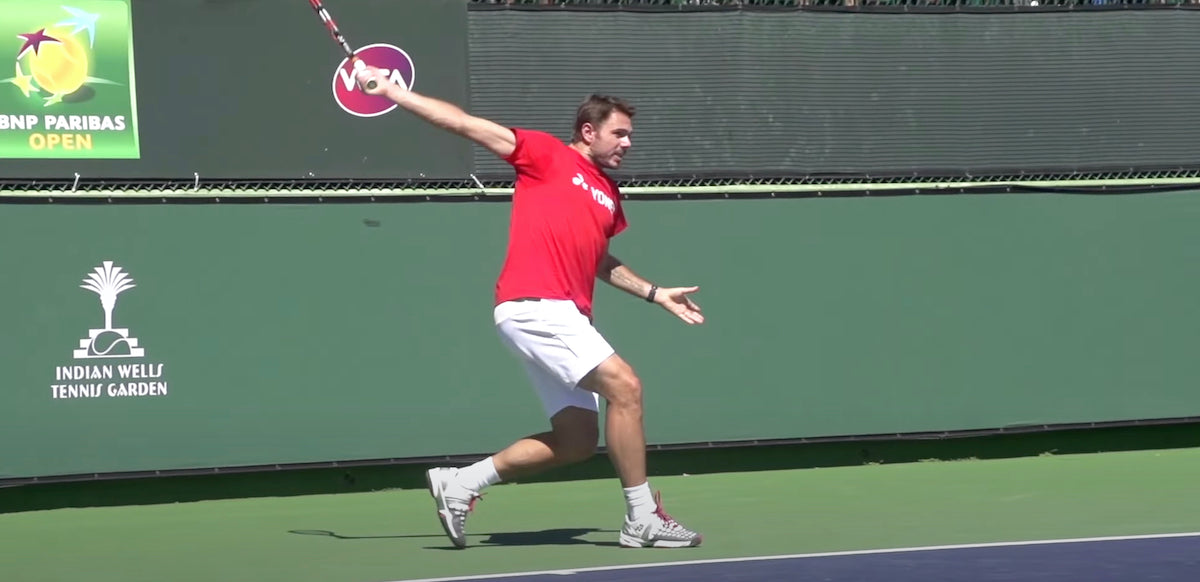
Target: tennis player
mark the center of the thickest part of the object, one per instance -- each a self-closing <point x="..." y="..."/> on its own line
<point x="564" y="211"/>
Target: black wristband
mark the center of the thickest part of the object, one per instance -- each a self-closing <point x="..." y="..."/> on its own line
<point x="650" y="295"/>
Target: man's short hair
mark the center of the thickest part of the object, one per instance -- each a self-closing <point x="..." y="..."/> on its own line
<point x="596" y="109"/>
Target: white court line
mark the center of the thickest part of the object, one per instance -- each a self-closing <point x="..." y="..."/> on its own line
<point x="570" y="571"/>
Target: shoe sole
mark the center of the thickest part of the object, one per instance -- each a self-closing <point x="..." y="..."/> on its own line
<point x="435" y="491"/>
<point x="628" y="541"/>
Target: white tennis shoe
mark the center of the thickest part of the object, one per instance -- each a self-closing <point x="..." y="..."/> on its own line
<point x="453" y="501"/>
<point x="657" y="530"/>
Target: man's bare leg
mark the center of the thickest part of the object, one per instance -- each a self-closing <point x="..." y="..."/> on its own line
<point x="646" y="524"/>
<point x="573" y="438"/>
<point x="624" y="433"/>
<point x="573" y="435"/>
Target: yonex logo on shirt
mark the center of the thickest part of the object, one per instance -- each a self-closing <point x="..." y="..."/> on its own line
<point x="599" y="195"/>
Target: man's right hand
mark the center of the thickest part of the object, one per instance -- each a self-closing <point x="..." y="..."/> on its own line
<point x="382" y="82"/>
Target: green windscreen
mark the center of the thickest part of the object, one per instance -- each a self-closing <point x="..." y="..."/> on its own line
<point x="274" y="333"/>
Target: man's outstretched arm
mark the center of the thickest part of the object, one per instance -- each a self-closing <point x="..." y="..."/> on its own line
<point x="496" y="138"/>
<point x="673" y="299"/>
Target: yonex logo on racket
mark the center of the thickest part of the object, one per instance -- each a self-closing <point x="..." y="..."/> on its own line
<point x="391" y="59"/>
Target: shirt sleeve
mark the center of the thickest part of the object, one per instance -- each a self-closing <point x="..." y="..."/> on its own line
<point x="533" y="150"/>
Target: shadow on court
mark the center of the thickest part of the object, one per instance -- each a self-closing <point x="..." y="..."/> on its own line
<point x="545" y="537"/>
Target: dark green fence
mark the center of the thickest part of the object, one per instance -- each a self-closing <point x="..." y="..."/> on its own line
<point x="790" y="93"/>
<point x="273" y="334"/>
<point x="160" y="337"/>
<point x="242" y="94"/>
<point x="753" y="4"/>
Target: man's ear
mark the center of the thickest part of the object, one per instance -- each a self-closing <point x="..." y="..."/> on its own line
<point x="588" y="131"/>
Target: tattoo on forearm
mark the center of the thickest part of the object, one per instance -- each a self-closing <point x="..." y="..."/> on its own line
<point x="623" y="278"/>
<point x="615" y="273"/>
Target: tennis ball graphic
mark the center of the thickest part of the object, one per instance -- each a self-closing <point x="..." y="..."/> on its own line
<point x="60" y="67"/>
<point x="110" y="343"/>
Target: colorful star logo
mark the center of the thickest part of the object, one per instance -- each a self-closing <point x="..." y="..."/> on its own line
<point x="33" y="42"/>
<point x="56" y="59"/>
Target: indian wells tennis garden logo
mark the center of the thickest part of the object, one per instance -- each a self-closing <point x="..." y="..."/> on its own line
<point x="131" y="376"/>
<point x="108" y="281"/>
<point x="71" y="93"/>
<point x="391" y="60"/>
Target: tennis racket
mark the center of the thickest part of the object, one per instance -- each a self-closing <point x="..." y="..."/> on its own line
<point x="341" y="40"/>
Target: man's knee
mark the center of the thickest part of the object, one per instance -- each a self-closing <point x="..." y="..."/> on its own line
<point x="627" y="390"/>
<point x="615" y="380"/>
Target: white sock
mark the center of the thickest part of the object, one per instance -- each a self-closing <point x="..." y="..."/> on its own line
<point x="639" y="501"/>
<point x="478" y="476"/>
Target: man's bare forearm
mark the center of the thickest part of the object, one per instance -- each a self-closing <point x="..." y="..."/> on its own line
<point x="615" y="273"/>
<point x="496" y="138"/>
<point x="437" y="112"/>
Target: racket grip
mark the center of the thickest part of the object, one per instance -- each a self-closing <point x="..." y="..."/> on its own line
<point x="358" y="66"/>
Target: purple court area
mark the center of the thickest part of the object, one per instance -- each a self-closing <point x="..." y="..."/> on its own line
<point x="1156" y="559"/>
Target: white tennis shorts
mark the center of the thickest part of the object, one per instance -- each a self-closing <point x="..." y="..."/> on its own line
<point x="557" y="345"/>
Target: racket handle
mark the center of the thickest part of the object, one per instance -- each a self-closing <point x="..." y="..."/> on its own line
<point x="358" y="66"/>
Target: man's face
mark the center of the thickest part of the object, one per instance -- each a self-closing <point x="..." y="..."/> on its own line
<point x="611" y="140"/>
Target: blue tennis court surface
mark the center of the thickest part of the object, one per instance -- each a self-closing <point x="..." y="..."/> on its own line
<point x="1154" y="558"/>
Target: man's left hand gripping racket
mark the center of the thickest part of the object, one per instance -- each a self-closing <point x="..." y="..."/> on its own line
<point x="341" y="40"/>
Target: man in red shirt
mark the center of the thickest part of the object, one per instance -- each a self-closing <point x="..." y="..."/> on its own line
<point x="565" y="209"/>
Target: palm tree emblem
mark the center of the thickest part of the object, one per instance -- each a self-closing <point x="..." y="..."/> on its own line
<point x="108" y="281"/>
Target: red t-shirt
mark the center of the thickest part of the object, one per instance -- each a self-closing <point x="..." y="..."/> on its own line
<point x="564" y="211"/>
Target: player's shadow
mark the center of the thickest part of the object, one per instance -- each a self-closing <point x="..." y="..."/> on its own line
<point x="546" y="537"/>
